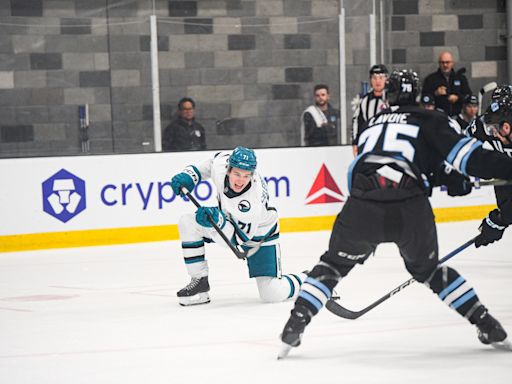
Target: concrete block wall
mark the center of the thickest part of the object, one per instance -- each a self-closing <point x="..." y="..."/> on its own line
<point x="473" y="31"/>
<point x="249" y="64"/>
<point x="416" y="31"/>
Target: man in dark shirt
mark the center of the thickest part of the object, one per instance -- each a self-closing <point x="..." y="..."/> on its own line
<point x="320" y="121"/>
<point x="184" y="133"/>
<point x="448" y="87"/>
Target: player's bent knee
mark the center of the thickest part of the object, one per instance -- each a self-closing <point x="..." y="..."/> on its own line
<point x="271" y="289"/>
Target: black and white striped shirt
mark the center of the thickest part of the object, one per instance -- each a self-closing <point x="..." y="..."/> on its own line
<point x="369" y="106"/>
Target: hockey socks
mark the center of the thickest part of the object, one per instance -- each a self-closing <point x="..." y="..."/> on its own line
<point x="318" y="287"/>
<point x="454" y="290"/>
<point x="313" y="295"/>
<point x="295" y="282"/>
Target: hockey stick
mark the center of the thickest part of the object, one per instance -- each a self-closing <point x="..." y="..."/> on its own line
<point x="341" y="311"/>
<point x="486" y="88"/>
<point x="238" y="253"/>
<point x="494" y="183"/>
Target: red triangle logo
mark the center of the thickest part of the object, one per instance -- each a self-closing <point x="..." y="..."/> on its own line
<point x="324" y="189"/>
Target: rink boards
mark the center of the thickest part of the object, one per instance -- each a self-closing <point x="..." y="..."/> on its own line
<point x="58" y="202"/>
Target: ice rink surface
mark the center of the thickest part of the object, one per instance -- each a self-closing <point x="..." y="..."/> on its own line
<point x="110" y="315"/>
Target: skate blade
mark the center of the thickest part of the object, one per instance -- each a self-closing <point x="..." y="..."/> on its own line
<point x="200" y="298"/>
<point x="284" y="351"/>
<point x="504" y="345"/>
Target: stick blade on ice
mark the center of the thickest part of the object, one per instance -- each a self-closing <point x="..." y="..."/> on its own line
<point x="340" y="311"/>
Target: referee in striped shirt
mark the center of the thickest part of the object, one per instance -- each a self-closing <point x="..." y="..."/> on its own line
<point x="371" y="103"/>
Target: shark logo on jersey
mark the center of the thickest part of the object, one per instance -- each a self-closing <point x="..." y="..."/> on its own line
<point x="244" y="206"/>
<point x="324" y="189"/>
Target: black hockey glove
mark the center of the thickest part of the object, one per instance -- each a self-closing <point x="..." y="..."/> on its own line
<point x="491" y="229"/>
<point x="456" y="184"/>
<point x="463" y="188"/>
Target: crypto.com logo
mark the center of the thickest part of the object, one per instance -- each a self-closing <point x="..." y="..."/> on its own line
<point x="324" y="189"/>
<point x="63" y="195"/>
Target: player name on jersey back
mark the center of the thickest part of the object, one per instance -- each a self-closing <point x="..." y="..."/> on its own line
<point x="400" y="118"/>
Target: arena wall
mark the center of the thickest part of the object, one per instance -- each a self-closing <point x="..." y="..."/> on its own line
<point x="58" y="202"/>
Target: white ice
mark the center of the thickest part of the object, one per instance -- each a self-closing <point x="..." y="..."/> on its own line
<point x="110" y="315"/>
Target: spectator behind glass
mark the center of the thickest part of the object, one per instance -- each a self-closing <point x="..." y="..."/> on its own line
<point x="448" y="87"/>
<point x="319" y="122"/>
<point x="184" y="133"/>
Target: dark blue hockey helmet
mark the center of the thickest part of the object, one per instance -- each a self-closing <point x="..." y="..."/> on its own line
<point x="243" y="158"/>
<point x="403" y="87"/>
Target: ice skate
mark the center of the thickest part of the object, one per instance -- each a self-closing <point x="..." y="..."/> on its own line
<point x="491" y="332"/>
<point x="196" y="292"/>
<point x="293" y="330"/>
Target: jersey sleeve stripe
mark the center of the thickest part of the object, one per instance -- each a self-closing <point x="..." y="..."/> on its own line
<point x="463" y="153"/>
<point x="455" y="150"/>
<point x="468" y="155"/>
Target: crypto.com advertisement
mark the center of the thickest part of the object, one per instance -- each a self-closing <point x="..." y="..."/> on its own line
<point x="93" y="192"/>
<point x="58" y="194"/>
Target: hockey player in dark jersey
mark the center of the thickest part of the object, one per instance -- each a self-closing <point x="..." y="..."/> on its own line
<point x="494" y="128"/>
<point x="400" y="156"/>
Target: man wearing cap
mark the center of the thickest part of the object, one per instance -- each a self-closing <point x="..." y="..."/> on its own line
<point x="449" y="87"/>
<point x="371" y="103"/>
<point x="469" y="111"/>
<point x="427" y="102"/>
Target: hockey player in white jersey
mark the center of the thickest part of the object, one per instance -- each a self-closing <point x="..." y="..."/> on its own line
<point x="244" y="215"/>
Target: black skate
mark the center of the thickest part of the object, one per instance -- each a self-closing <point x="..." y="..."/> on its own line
<point x="293" y="329"/>
<point x="491" y="332"/>
<point x="196" y="292"/>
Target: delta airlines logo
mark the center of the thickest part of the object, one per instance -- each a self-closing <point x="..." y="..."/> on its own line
<point x="324" y="189"/>
<point x="63" y="195"/>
